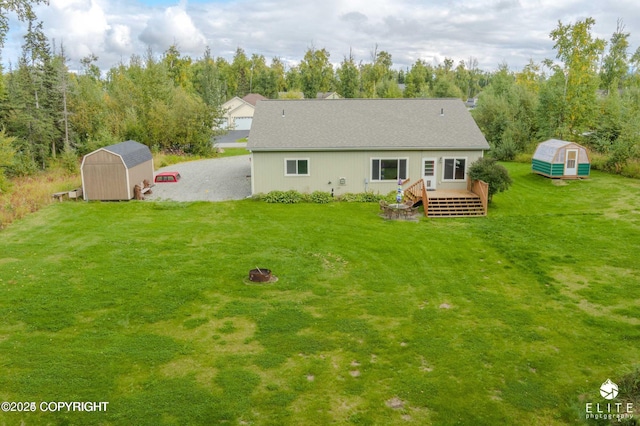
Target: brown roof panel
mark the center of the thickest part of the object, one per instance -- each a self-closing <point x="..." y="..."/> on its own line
<point x="253" y="98"/>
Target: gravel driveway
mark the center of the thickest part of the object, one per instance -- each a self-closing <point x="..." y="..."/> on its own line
<point x="217" y="179"/>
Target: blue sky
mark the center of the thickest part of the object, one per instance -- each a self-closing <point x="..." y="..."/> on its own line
<point x="491" y="31"/>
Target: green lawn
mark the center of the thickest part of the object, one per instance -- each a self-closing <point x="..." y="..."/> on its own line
<point x="516" y="318"/>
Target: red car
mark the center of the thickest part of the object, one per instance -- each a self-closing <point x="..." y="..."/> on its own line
<point x="167" y="177"/>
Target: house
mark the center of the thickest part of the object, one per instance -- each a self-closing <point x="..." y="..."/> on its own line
<point x="471" y="103"/>
<point x="112" y="172"/>
<point x="561" y="159"/>
<point x="328" y="95"/>
<point x="359" y="145"/>
<point x="238" y="113"/>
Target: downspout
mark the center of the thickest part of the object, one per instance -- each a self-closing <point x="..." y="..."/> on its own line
<point x="252" y="174"/>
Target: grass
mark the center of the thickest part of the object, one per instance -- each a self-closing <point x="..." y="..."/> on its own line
<point x="28" y="194"/>
<point x="516" y="318"/>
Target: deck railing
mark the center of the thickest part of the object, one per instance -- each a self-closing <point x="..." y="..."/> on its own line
<point x="419" y="191"/>
<point x="481" y="189"/>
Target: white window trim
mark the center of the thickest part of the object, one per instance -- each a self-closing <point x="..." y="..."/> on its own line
<point x="386" y="158"/>
<point x="296" y="160"/>
<point x="466" y="163"/>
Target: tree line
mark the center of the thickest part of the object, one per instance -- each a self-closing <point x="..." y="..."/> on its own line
<point x="589" y="93"/>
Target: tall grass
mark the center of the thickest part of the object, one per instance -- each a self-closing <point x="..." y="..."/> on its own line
<point x="28" y="194"/>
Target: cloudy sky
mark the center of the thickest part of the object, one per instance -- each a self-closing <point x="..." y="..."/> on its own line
<point x="492" y="31"/>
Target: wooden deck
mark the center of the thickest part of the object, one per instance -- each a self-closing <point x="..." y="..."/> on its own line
<point x="450" y="193"/>
<point x="451" y="203"/>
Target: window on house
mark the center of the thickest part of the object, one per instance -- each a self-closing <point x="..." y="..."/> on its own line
<point x="388" y="168"/>
<point x="296" y="167"/>
<point x="454" y="168"/>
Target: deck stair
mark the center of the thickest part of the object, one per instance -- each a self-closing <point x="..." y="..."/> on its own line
<point x="451" y="204"/>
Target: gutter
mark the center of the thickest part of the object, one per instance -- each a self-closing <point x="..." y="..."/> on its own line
<point x="399" y="148"/>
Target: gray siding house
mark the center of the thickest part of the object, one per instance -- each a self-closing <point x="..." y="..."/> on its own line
<point x="358" y="145"/>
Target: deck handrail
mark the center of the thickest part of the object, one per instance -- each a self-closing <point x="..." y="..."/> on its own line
<point x="481" y="189"/>
<point x="418" y="190"/>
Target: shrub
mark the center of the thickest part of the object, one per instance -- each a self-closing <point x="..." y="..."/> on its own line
<point x="23" y="165"/>
<point x="362" y="197"/>
<point x="506" y="151"/>
<point x="523" y="158"/>
<point x="67" y="161"/>
<point x="489" y="171"/>
<point x="631" y="169"/>
<point x="320" y="197"/>
<point x="598" y="161"/>
<point x="283" y="197"/>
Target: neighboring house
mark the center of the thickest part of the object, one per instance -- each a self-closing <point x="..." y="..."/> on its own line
<point x="253" y="98"/>
<point x="328" y="95"/>
<point x="358" y="145"/>
<point x="472" y="103"/>
<point x="238" y="113"/>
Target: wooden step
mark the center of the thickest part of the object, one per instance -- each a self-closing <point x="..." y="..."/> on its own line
<point x="455" y="206"/>
<point x="456" y="203"/>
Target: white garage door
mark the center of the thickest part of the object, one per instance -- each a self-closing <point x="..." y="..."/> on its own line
<point x="243" y="123"/>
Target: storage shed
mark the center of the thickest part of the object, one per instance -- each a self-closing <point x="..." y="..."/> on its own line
<point x="561" y="159"/>
<point x="112" y="172"/>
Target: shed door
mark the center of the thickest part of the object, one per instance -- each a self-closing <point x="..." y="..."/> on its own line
<point x="571" y="163"/>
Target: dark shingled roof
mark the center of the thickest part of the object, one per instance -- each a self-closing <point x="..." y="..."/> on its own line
<point x="253" y="98"/>
<point x="363" y="124"/>
<point x="132" y="152"/>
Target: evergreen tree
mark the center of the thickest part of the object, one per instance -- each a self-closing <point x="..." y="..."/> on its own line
<point x="22" y="8"/>
<point x="35" y="97"/>
<point x="208" y="83"/>
<point x="348" y="78"/>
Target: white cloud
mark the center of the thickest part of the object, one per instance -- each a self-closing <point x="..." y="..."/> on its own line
<point x="497" y="31"/>
<point x="78" y="24"/>
<point x="118" y="39"/>
<point x="173" y="26"/>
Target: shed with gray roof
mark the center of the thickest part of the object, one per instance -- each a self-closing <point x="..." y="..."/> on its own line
<point x="111" y="173"/>
<point x="357" y="145"/>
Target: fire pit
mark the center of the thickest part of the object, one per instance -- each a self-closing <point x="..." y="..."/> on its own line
<point x="260" y="275"/>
